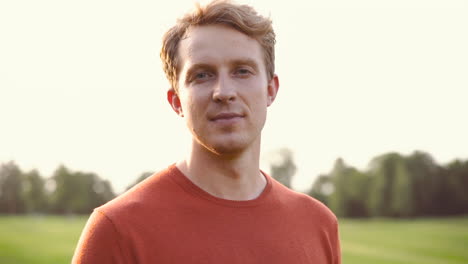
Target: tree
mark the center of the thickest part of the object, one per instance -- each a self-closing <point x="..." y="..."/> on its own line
<point x="423" y="173"/>
<point x="282" y="168"/>
<point x="34" y="192"/>
<point x="339" y="196"/>
<point x="349" y="197"/>
<point x="322" y="189"/>
<point x="62" y="196"/>
<point x="100" y="192"/>
<point x="402" y="201"/>
<point x="11" y="189"/>
<point x="452" y="196"/>
<point x="383" y="171"/>
<point x="78" y="192"/>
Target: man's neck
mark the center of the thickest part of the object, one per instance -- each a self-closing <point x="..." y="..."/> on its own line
<point x="235" y="177"/>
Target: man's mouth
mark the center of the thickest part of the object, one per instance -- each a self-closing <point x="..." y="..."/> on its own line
<point x="226" y="116"/>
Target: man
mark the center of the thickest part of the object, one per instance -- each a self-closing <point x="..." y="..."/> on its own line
<point x="215" y="206"/>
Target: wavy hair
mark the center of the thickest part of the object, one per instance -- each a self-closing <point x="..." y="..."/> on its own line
<point x="242" y="18"/>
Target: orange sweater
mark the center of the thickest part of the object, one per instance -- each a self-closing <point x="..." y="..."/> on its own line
<point x="168" y="219"/>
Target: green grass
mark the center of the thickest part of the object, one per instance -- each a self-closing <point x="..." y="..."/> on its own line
<point x="51" y="239"/>
<point x="39" y="240"/>
<point x="405" y="241"/>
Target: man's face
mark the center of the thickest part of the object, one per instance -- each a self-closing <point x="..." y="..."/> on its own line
<point x="223" y="91"/>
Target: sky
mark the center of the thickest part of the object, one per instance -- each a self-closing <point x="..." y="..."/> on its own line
<point x="81" y="84"/>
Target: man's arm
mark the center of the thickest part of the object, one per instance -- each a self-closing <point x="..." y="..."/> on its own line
<point x="336" y="245"/>
<point x="99" y="242"/>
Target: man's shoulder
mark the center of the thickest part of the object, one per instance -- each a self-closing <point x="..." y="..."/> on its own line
<point x="306" y="205"/>
<point x="151" y="192"/>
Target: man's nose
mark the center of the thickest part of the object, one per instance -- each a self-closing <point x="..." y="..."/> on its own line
<point x="224" y="90"/>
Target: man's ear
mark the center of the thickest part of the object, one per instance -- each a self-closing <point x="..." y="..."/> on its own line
<point x="174" y="101"/>
<point x="273" y="87"/>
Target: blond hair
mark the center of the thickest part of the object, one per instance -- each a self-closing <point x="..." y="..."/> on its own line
<point x="239" y="17"/>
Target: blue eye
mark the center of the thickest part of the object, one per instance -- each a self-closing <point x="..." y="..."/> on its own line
<point x="243" y="72"/>
<point x="201" y="75"/>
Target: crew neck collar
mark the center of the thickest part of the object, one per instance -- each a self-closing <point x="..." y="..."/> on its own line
<point x="182" y="180"/>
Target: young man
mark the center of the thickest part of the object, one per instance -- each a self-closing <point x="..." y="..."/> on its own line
<point x="215" y="206"/>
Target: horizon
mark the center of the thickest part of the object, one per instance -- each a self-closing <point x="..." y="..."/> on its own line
<point x="305" y="188"/>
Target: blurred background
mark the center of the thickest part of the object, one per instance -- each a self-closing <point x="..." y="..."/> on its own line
<point x="370" y="119"/>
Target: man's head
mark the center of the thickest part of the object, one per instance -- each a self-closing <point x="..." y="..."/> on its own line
<point x="242" y="18"/>
<point x="219" y="61"/>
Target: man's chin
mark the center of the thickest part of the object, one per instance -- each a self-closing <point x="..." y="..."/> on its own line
<point x="227" y="145"/>
<point x="228" y="148"/>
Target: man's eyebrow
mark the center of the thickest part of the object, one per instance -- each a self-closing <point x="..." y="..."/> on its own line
<point x="246" y="61"/>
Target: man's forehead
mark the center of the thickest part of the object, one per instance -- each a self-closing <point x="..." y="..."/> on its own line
<point x="214" y="43"/>
<point x="202" y="31"/>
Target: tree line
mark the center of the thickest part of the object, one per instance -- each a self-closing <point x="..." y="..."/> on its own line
<point x="65" y="192"/>
<point x="393" y="185"/>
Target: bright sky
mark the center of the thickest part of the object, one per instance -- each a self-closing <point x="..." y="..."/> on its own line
<point x="81" y="84"/>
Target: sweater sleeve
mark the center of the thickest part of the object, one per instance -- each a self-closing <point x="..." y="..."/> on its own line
<point x="99" y="242"/>
<point x="336" y="245"/>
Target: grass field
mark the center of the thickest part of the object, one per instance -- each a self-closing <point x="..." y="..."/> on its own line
<point x="38" y="240"/>
<point x="438" y="241"/>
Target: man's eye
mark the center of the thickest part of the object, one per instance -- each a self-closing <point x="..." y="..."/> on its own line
<point x="243" y="72"/>
<point x="202" y="75"/>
